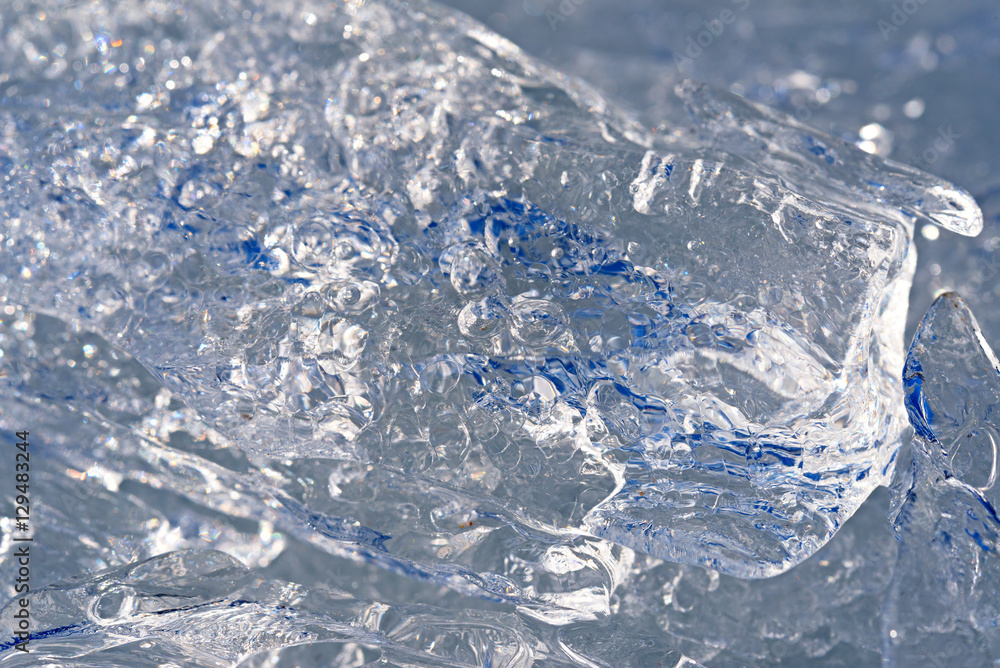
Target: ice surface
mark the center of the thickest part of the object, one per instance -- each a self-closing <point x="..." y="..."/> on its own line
<point x="206" y="607"/>
<point x="920" y="93"/>
<point x="407" y="244"/>
<point x="413" y="334"/>
<point x="948" y="498"/>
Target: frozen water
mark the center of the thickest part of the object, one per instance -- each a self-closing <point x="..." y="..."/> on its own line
<point x="411" y="325"/>
<point x="433" y="255"/>
<point x="920" y="92"/>
<point x="206" y="607"/>
<point x="948" y="498"/>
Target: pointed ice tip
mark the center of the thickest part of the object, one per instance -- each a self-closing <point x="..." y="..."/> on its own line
<point x="951" y="372"/>
<point x="954" y="210"/>
<point x="772" y="140"/>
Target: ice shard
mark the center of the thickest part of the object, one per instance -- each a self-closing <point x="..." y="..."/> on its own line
<point x="378" y="233"/>
<point x="944" y="604"/>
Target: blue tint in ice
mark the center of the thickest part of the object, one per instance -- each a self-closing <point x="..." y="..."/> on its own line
<point x="434" y="353"/>
<point x="948" y="498"/>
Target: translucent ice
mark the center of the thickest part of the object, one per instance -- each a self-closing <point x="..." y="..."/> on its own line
<point x="378" y="233"/>
<point x="205" y="608"/>
<point x="944" y="605"/>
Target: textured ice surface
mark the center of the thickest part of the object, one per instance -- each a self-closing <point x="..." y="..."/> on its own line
<point x="948" y="498"/>
<point x="205" y="607"/>
<point x="160" y="195"/>
<point x="919" y="93"/>
<point x="403" y="243"/>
